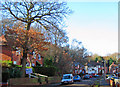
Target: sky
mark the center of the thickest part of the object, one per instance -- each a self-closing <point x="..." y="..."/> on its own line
<point x="95" y="24"/>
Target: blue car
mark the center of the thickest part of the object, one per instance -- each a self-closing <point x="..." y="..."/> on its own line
<point x="76" y="78"/>
<point x="86" y="76"/>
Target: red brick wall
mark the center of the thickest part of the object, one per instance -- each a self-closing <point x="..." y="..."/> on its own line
<point x="34" y="59"/>
<point x="6" y="53"/>
<point x="40" y="61"/>
<point x="16" y="57"/>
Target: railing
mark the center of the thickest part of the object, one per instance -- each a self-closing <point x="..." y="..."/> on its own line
<point x="38" y="75"/>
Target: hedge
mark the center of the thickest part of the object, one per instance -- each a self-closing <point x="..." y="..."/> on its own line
<point x="8" y="72"/>
<point x="49" y="71"/>
<point x="15" y="72"/>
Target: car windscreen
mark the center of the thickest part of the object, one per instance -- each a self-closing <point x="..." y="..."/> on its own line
<point x="75" y="76"/>
<point x="115" y="77"/>
<point x="66" y="77"/>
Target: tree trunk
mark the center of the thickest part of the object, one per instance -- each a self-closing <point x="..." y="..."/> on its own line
<point x="24" y="63"/>
<point x="25" y="51"/>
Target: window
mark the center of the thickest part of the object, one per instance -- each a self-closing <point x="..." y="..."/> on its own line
<point x="18" y="51"/>
<point x="33" y="64"/>
<point x="27" y="64"/>
<point x="39" y="57"/>
<point x="14" y="62"/>
<point x="34" y="55"/>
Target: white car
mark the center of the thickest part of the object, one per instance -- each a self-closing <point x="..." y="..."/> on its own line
<point x="67" y="78"/>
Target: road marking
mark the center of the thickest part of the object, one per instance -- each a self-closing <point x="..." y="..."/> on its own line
<point x="75" y="85"/>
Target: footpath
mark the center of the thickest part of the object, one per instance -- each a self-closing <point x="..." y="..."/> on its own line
<point x="31" y="82"/>
<point x="104" y="83"/>
<point x="53" y="82"/>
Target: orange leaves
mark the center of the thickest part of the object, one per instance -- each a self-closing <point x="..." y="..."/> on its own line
<point x="18" y="36"/>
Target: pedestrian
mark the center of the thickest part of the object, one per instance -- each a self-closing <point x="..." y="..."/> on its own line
<point x="39" y="80"/>
<point x="46" y="79"/>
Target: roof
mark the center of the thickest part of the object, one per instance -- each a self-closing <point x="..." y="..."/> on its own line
<point x="93" y="63"/>
<point x="67" y="74"/>
<point x="2" y="40"/>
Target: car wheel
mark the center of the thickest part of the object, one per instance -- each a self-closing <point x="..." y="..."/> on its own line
<point x="117" y="84"/>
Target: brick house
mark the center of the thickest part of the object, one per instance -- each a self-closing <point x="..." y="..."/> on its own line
<point x="7" y="54"/>
<point x="36" y="59"/>
<point x="113" y="68"/>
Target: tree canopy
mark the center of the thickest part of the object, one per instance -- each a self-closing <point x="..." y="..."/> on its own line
<point x="48" y="15"/>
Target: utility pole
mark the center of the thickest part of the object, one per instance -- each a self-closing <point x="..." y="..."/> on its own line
<point x="104" y="69"/>
<point x="119" y="70"/>
<point x="73" y="66"/>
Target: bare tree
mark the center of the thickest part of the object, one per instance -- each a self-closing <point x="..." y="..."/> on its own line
<point x="78" y="52"/>
<point x="47" y="14"/>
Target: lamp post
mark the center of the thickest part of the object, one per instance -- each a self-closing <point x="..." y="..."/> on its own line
<point x="104" y="65"/>
<point x="104" y="69"/>
<point x="74" y="66"/>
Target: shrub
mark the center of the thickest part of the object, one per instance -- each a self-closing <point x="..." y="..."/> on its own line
<point x="10" y="72"/>
<point x="15" y="72"/>
<point x="5" y="75"/>
<point x="6" y="63"/>
<point x="49" y="71"/>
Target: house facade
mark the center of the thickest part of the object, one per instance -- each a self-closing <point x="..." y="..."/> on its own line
<point x="96" y="67"/>
<point x="113" y="68"/>
<point x="16" y="57"/>
<point x="5" y="52"/>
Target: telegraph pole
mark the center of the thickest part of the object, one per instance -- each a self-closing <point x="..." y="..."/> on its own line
<point x="104" y="69"/>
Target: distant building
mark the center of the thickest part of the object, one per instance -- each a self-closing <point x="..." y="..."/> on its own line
<point x="95" y="67"/>
<point x="113" y="68"/>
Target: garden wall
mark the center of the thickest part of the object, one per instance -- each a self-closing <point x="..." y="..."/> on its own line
<point x="32" y="81"/>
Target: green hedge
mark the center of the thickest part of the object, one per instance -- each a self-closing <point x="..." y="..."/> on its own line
<point x="5" y="76"/>
<point x="49" y="71"/>
<point x="13" y="72"/>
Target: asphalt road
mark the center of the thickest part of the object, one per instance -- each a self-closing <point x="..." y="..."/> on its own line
<point x="83" y="83"/>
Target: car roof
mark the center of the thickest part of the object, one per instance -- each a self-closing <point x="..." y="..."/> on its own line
<point x="67" y="74"/>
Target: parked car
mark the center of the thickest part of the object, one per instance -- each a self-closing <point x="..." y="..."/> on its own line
<point x="90" y="76"/>
<point x="96" y="75"/>
<point x="67" y="78"/>
<point x="86" y="76"/>
<point x="115" y="81"/>
<point x="76" y="78"/>
<point x="109" y="77"/>
<point x="93" y="74"/>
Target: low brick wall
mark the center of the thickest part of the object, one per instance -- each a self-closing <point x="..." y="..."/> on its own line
<point x="54" y="79"/>
<point x="32" y="81"/>
<point x="22" y="81"/>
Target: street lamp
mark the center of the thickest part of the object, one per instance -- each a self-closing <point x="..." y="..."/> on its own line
<point x="104" y="69"/>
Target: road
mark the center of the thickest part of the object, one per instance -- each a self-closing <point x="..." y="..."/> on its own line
<point x="83" y="83"/>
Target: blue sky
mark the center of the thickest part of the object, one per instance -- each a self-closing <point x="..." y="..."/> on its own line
<point x="95" y="24"/>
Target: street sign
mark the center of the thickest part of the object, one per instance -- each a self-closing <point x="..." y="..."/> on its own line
<point x="29" y="71"/>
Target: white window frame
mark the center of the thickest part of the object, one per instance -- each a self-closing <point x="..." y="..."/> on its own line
<point x="39" y="57"/>
<point x="34" y="55"/>
<point x="14" y="62"/>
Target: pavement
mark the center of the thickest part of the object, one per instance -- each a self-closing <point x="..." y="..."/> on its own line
<point x="103" y="83"/>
